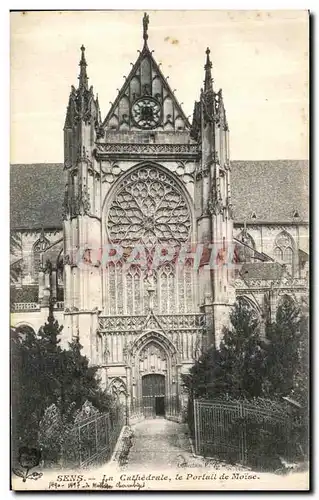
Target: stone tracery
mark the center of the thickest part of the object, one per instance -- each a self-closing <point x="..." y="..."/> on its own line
<point x="148" y="208"/>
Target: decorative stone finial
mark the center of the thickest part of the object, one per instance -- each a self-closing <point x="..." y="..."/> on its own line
<point x="208" y="84"/>
<point x="83" y="78"/>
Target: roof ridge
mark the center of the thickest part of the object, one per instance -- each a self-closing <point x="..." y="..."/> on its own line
<point x="33" y="164"/>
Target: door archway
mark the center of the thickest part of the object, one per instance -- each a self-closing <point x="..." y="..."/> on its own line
<point x="153" y="374"/>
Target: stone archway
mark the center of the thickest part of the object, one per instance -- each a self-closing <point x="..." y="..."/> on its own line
<point x="252" y="305"/>
<point x="154" y="369"/>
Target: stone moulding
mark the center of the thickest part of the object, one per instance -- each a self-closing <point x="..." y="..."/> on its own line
<point x="136" y="323"/>
<point x="117" y="148"/>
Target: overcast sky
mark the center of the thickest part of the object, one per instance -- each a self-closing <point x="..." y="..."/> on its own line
<point x="260" y="60"/>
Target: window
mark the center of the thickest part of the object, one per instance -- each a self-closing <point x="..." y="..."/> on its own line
<point x="38" y="248"/>
<point x="284" y="251"/>
<point x="278" y="254"/>
<point x="288" y="258"/>
<point x="149" y="208"/>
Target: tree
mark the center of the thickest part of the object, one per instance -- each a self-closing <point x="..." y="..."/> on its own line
<point x="237" y="367"/>
<point x="79" y="381"/>
<point x="44" y="374"/>
<point x="15" y="263"/>
<point x="241" y="355"/>
<point x="199" y="380"/>
<point x="27" y="401"/>
<point x="283" y="349"/>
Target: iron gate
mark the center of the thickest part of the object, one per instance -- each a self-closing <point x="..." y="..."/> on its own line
<point x="240" y="432"/>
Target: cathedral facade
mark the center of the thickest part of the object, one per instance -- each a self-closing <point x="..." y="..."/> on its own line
<point x="148" y="233"/>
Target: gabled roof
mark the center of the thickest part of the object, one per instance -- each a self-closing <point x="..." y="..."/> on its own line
<point x="273" y="189"/>
<point x="146" y="80"/>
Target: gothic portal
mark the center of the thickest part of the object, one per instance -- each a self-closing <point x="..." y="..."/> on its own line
<point x="144" y="189"/>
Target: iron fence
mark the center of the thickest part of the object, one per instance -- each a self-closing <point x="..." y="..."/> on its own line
<point x="93" y="439"/>
<point x="240" y="432"/>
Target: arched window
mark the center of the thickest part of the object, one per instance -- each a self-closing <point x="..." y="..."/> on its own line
<point x="167" y="287"/>
<point x="249" y="305"/>
<point x="286" y="299"/>
<point x="284" y="250"/>
<point x="286" y="307"/>
<point x="148" y="208"/>
<point x="288" y="257"/>
<point x="38" y="248"/>
<point x="246" y="251"/>
<point x="60" y="277"/>
<point x="118" y="390"/>
<point x="133" y="290"/>
<point x="24" y="331"/>
<point x="60" y="269"/>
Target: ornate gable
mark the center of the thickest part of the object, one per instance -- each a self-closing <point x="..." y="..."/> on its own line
<point x="153" y="323"/>
<point x="146" y="101"/>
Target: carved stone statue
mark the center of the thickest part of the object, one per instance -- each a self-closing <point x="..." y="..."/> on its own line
<point x="146" y="21"/>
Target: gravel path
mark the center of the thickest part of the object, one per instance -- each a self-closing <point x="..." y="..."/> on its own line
<point x="159" y="442"/>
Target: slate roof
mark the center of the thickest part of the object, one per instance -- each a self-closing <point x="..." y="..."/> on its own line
<point x="36" y="195"/>
<point x="271" y="189"/>
<point x="262" y="270"/>
<point x="274" y="190"/>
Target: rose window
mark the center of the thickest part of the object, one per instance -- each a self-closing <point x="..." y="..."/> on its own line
<point x="148" y="208"/>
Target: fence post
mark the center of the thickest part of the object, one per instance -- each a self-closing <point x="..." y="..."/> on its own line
<point x="80" y="450"/>
<point x="96" y="441"/>
<point x="242" y="434"/>
<point x="197" y="446"/>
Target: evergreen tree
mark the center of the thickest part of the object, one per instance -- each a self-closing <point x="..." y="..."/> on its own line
<point x="43" y="374"/>
<point x="79" y="381"/>
<point x="283" y="349"/>
<point x="199" y="380"/>
<point x="237" y="367"/>
<point x="242" y="355"/>
<point x="49" y="358"/>
<point x="49" y="333"/>
<point x="27" y="402"/>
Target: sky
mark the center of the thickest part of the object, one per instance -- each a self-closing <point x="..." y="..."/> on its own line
<point x="260" y="60"/>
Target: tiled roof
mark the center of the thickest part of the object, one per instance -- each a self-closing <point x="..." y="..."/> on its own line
<point x="262" y="271"/>
<point x="36" y="195"/>
<point x="274" y="190"/>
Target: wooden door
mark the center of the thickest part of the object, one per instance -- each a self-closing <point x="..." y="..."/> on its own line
<point x="153" y="387"/>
